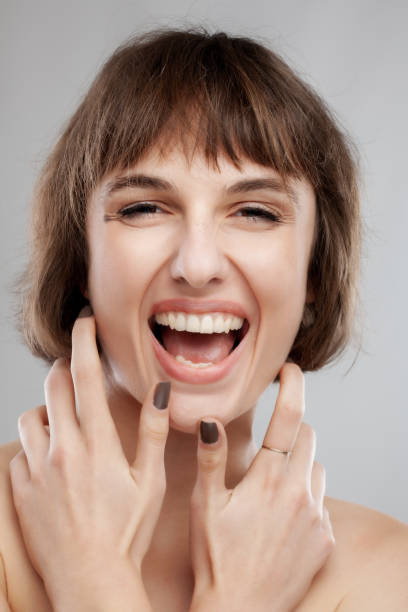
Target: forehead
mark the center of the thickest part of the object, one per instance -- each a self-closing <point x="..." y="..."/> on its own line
<point x="171" y="164"/>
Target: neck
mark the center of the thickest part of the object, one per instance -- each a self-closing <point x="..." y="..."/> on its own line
<point x="181" y="463"/>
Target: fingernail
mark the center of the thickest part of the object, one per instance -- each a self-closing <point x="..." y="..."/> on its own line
<point x="208" y="432"/>
<point x="85" y="312"/>
<point x="161" y="395"/>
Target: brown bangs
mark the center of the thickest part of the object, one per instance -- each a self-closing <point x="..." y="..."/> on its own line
<point x="215" y="94"/>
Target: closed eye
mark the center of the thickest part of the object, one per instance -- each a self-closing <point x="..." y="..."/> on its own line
<point x="148" y="209"/>
<point x="256" y="212"/>
<point x="138" y="209"/>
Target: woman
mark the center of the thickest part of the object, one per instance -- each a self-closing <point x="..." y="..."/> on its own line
<point x="196" y="236"/>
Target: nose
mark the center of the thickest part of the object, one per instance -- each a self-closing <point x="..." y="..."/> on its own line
<point x="199" y="259"/>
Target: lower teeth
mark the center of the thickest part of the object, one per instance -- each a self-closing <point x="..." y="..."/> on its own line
<point x="195" y="365"/>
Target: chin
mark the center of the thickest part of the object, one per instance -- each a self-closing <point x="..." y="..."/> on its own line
<point x="188" y="409"/>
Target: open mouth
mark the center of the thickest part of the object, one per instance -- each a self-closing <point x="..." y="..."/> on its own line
<point x="192" y="338"/>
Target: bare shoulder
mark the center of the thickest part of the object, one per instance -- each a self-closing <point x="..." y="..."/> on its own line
<point x="365" y="541"/>
<point x="374" y="545"/>
<point x="7" y="511"/>
<point x="363" y="526"/>
<point x="22" y="585"/>
<point x="7" y="452"/>
<point x="369" y="545"/>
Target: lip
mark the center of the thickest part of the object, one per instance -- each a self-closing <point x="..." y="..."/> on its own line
<point x="198" y="307"/>
<point x="189" y="374"/>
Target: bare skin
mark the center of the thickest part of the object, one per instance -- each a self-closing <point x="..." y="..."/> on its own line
<point x="168" y="578"/>
<point x="231" y="267"/>
<point x="168" y="581"/>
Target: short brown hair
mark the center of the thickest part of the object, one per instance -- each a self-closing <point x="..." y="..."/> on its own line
<point x="246" y="102"/>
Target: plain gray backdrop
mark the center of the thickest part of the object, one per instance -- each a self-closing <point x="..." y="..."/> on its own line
<point x="355" y="55"/>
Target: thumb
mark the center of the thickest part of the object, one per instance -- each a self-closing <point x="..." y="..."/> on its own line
<point x="212" y="456"/>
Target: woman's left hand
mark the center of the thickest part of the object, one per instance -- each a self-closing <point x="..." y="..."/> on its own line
<point x="87" y="516"/>
<point x="258" y="546"/>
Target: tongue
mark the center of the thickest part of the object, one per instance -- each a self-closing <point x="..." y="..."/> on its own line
<point x="198" y="348"/>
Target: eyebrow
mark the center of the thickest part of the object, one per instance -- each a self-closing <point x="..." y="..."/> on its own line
<point x="256" y="184"/>
<point x="243" y="186"/>
<point x="138" y="180"/>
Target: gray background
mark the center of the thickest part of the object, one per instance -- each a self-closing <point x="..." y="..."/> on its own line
<point x="355" y="54"/>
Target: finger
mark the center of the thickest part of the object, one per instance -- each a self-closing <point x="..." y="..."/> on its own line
<point x="300" y="465"/>
<point x="284" y="424"/>
<point x="290" y="407"/>
<point x="60" y="402"/>
<point x="212" y="453"/>
<point x="33" y="436"/>
<point x="94" y="416"/>
<point x="19" y="471"/>
<point x="318" y="485"/>
<point x="327" y="523"/>
<point x="152" y="436"/>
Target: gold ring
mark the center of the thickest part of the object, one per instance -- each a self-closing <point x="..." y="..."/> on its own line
<point x="277" y="450"/>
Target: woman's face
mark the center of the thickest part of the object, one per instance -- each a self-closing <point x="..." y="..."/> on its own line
<point x="199" y="242"/>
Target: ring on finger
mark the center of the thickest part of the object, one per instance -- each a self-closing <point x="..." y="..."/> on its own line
<point x="277" y="450"/>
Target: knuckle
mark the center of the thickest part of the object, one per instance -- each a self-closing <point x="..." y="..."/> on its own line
<point x="293" y="411"/>
<point x="37" y="477"/>
<point x="58" y="458"/>
<point x="307" y="432"/>
<point x="24" y="419"/>
<point x="299" y="498"/>
<point x="84" y="371"/>
<point x="157" y="433"/>
<point x="209" y="462"/>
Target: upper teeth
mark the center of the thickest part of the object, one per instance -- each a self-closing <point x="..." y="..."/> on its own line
<point x="209" y="323"/>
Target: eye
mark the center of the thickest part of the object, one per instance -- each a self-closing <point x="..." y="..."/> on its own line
<point x="149" y="209"/>
<point x="142" y="209"/>
<point x="255" y="213"/>
<point x="131" y="213"/>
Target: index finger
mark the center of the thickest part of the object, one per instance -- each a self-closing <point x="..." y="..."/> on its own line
<point x="86" y="368"/>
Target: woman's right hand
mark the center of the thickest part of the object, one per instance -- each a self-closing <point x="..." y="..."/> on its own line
<point x="259" y="545"/>
<point x="86" y="514"/>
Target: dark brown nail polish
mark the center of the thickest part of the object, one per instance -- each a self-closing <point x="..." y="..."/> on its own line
<point x="161" y="395"/>
<point x="85" y="312"/>
<point x="208" y="432"/>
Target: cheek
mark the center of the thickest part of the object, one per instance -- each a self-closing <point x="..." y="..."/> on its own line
<point x="119" y="274"/>
<point x="119" y="270"/>
<point x="277" y="271"/>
